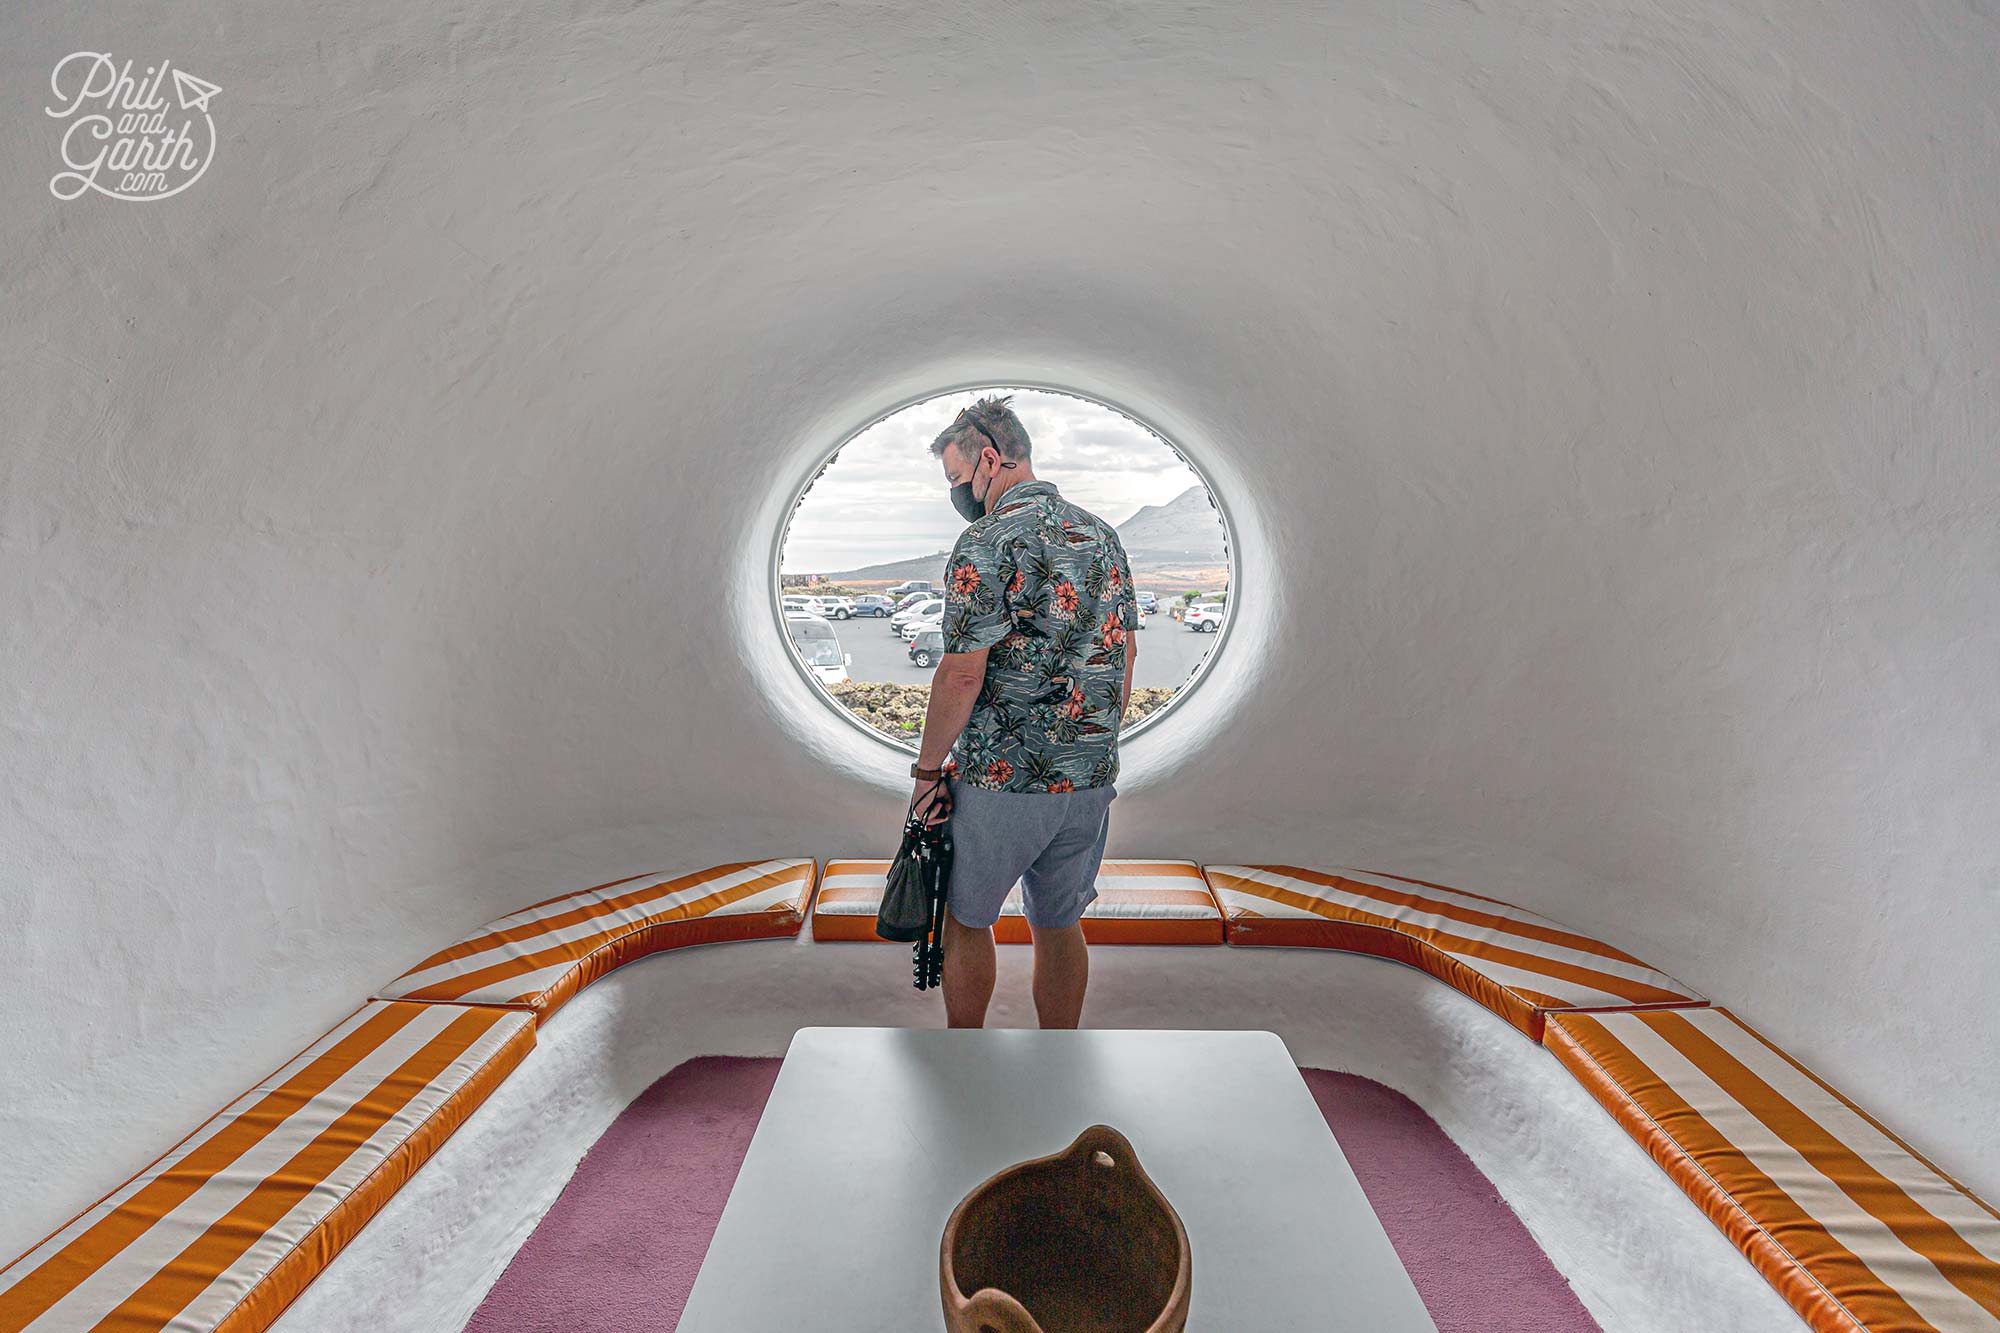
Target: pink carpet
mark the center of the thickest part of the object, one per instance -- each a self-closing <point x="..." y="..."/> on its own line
<point x="619" y="1250"/>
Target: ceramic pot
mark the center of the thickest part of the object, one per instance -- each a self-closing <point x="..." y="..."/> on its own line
<point x="1080" y="1241"/>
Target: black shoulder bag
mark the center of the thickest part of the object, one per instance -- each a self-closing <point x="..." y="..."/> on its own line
<point x="913" y="901"/>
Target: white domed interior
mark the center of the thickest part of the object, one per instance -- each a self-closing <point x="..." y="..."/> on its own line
<point x="1603" y="401"/>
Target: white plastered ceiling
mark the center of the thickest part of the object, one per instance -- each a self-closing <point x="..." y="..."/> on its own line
<point x="1604" y="398"/>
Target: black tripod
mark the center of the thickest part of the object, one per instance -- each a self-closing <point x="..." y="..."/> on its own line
<point x="927" y="955"/>
<point x="913" y="894"/>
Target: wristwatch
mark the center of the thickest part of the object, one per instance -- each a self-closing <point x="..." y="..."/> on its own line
<point x="925" y="773"/>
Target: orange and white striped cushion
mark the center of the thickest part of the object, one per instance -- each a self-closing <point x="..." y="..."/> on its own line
<point x="1518" y="964"/>
<point x="230" y="1225"/>
<point x="850" y="894"/>
<point x="542" y="955"/>
<point x="1138" y="902"/>
<point x="1844" y="1219"/>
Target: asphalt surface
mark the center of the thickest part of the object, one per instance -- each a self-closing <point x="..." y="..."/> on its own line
<point x="1168" y="653"/>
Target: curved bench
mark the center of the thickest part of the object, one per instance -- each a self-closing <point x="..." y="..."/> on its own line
<point x="1138" y="902"/>
<point x="540" y="956"/>
<point x="1643" y="1258"/>
<point x="1521" y="966"/>
<point x="226" y="1228"/>
<point x="1845" y="1221"/>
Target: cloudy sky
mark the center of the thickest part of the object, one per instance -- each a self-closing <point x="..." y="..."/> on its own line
<point x="884" y="497"/>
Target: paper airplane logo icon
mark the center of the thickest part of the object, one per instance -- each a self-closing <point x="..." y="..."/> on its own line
<point x="194" y="93"/>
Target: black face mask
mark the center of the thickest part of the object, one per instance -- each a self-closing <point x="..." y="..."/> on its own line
<point x="969" y="508"/>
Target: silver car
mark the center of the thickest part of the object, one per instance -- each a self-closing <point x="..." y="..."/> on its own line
<point x="923" y="610"/>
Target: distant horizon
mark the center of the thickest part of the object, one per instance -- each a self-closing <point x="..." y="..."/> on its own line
<point x="945" y="550"/>
<point x="883" y="499"/>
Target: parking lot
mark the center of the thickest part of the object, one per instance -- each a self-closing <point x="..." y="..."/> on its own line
<point x="1168" y="652"/>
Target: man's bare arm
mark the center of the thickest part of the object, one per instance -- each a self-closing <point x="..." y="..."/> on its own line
<point x="1131" y="656"/>
<point x="954" y="690"/>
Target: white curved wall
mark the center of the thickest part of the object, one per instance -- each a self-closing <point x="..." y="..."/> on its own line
<point x="1604" y="398"/>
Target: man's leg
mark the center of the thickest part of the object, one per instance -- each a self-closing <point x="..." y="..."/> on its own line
<point x="968" y="973"/>
<point x="1062" y="971"/>
<point x="1058" y="887"/>
<point x="995" y="835"/>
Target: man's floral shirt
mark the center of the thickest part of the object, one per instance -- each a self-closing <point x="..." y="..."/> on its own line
<point x="1045" y="586"/>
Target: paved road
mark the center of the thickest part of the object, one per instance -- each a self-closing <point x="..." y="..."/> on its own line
<point x="1168" y="653"/>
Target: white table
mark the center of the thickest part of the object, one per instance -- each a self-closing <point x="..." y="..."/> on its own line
<point x="873" y="1135"/>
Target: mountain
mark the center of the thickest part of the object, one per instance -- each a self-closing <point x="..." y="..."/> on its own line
<point x="896" y="571"/>
<point x="1183" y="534"/>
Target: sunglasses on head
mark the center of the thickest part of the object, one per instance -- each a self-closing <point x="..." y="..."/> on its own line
<point x="973" y="422"/>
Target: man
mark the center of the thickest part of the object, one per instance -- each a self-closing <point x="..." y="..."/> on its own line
<point x="1020" y="747"/>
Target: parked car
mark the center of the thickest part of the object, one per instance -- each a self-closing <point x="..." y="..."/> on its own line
<point x="930" y="606"/>
<point x="792" y="601"/>
<point x="874" y="604"/>
<point x="1205" y="617"/>
<point x="908" y="586"/>
<point x="833" y="608"/>
<point x="927" y="647"/>
<point x="818" y="646"/>
<point x="910" y="599"/>
<point x="1148" y="602"/>
<point x="922" y="623"/>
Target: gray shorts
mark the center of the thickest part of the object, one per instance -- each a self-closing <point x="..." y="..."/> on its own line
<point x="1051" y="842"/>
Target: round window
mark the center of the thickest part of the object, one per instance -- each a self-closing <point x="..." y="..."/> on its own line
<point x="860" y="591"/>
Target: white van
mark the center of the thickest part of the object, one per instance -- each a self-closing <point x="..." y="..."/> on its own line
<point x="818" y="646"/>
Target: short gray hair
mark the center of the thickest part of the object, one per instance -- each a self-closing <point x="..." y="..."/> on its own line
<point x="989" y="420"/>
